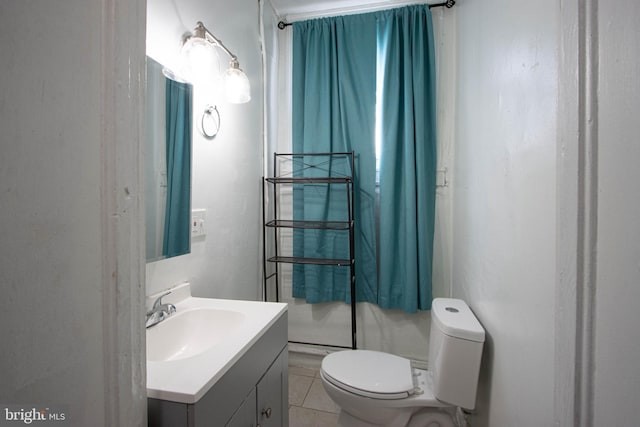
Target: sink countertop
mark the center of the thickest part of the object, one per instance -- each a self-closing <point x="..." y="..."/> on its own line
<point x="187" y="380"/>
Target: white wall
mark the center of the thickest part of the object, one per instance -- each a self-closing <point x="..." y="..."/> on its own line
<point x="563" y="356"/>
<point x="226" y="263"/>
<point x="504" y="245"/>
<point x="616" y="378"/>
<point x="71" y="319"/>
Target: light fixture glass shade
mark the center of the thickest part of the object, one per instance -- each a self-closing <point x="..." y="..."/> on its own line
<point x="201" y="62"/>
<point x="237" y="87"/>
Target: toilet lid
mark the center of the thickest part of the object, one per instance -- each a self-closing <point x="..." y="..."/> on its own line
<point x="370" y="373"/>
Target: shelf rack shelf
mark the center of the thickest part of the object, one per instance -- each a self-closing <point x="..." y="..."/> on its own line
<point x="323" y="174"/>
<point x="318" y="225"/>
<point x="316" y="261"/>
<point x="303" y="180"/>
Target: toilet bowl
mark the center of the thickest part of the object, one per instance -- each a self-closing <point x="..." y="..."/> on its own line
<point x="390" y="401"/>
<point x="373" y="388"/>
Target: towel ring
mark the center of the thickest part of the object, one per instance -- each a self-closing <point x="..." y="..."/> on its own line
<point x="210" y="122"/>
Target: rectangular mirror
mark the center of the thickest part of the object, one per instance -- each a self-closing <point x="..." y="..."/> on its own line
<point x="168" y="164"/>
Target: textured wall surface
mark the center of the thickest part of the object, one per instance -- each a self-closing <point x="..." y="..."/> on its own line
<point x="504" y="200"/>
<point x="71" y="255"/>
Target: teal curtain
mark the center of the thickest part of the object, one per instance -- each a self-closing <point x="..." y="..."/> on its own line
<point x="177" y="236"/>
<point x="408" y="158"/>
<point x="334" y="85"/>
<point x="338" y="65"/>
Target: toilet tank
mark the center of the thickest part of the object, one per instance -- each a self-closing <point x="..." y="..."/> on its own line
<point x="455" y="350"/>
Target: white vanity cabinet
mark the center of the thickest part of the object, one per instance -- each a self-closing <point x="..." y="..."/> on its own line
<point x="253" y="392"/>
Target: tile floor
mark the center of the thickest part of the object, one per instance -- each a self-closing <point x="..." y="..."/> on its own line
<point x="309" y="405"/>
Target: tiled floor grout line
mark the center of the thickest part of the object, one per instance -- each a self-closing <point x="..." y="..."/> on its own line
<point x="306" y="407"/>
<point x="314" y="410"/>
<point x="307" y="394"/>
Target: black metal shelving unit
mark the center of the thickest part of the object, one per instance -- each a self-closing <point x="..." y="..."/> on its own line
<point x="296" y="176"/>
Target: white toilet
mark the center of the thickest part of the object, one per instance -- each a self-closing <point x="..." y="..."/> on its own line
<point x="379" y="389"/>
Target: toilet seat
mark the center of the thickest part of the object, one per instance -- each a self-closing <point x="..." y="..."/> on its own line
<point x="370" y="374"/>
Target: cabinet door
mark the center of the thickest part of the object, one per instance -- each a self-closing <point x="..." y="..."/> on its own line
<point x="245" y="416"/>
<point x="273" y="391"/>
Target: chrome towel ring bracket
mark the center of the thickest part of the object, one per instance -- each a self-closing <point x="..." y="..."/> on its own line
<point x="210" y="122"/>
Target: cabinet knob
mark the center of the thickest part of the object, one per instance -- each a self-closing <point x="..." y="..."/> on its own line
<point x="267" y="412"/>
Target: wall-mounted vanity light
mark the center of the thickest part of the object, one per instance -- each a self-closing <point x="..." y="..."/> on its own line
<point x="201" y="55"/>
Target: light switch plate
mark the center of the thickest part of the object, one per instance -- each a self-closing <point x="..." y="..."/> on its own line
<point x="198" y="220"/>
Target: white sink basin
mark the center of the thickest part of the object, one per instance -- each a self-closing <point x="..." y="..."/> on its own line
<point x="192" y="349"/>
<point x="189" y="333"/>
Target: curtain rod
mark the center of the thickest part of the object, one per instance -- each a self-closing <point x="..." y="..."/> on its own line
<point x="448" y="4"/>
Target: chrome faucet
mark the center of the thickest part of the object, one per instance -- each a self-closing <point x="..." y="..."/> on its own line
<point x="160" y="311"/>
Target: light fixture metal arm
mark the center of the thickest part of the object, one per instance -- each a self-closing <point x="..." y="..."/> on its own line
<point x="202" y="31"/>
